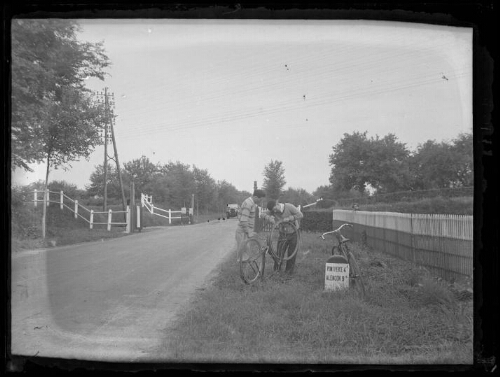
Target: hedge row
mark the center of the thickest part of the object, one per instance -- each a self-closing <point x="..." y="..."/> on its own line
<point x="405" y="196"/>
<point x="317" y="221"/>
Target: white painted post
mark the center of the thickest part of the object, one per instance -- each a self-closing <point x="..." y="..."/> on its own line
<point x="127" y="228"/>
<point x="47" y="193"/>
<point x="109" y="220"/>
<point x="62" y="198"/>
<point x="91" y="219"/>
<point x="35" y="198"/>
<point x="138" y="214"/>
<point x="76" y="209"/>
<point x="170" y="216"/>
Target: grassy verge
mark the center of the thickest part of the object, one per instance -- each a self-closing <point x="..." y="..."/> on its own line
<point x="407" y="317"/>
<point x="61" y="228"/>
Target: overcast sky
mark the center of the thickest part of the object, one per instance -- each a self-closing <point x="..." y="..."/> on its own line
<point x="229" y="96"/>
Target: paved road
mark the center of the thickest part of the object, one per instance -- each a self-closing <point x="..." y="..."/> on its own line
<point x="111" y="301"/>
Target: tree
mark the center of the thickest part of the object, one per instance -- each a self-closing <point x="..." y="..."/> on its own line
<point x="96" y="186"/>
<point x="274" y="179"/>
<point x="387" y="168"/>
<point x="324" y="192"/>
<point x="462" y="149"/>
<point x="55" y="119"/>
<point x="228" y="194"/>
<point x="358" y="162"/>
<point x="180" y="183"/>
<point x="443" y="165"/>
<point x="206" y="188"/>
<point x="69" y="189"/>
<point x="297" y="196"/>
<point x="348" y="161"/>
<point x="143" y="172"/>
<point x="431" y="164"/>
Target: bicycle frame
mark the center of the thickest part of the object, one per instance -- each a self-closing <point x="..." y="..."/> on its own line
<point x="253" y="262"/>
<point x="354" y="272"/>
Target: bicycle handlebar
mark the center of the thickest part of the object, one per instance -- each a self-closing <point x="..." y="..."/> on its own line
<point x="336" y="231"/>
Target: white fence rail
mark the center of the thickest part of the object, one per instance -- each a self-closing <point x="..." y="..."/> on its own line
<point x="442" y="243"/>
<point x="147" y="202"/>
<point x="59" y="198"/>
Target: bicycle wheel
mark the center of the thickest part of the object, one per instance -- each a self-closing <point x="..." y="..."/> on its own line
<point x="279" y="236"/>
<point x="251" y="261"/>
<point x="355" y="279"/>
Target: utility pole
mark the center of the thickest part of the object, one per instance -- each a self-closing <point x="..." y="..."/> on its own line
<point x="109" y="136"/>
<point x="118" y="165"/>
<point x="106" y="141"/>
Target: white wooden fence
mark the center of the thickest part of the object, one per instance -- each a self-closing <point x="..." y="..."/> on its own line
<point x="147" y="202"/>
<point x="441" y="243"/>
<point x="77" y="208"/>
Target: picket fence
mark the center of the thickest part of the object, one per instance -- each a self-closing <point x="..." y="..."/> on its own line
<point x="441" y="243"/>
<point x="75" y="208"/>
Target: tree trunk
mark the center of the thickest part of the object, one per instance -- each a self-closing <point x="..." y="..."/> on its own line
<point x="44" y="210"/>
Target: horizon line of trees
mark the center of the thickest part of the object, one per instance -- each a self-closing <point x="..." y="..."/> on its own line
<point x="360" y="167"/>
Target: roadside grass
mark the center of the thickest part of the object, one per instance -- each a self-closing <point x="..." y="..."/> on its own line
<point x="407" y="317"/>
<point x="61" y="228"/>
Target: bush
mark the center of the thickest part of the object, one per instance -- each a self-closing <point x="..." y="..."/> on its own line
<point x="438" y="205"/>
<point x="317" y="221"/>
<point x="409" y="196"/>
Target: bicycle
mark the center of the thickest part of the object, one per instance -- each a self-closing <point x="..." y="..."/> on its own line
<point x="355" y="279"/>
<point x="258" y="261"/>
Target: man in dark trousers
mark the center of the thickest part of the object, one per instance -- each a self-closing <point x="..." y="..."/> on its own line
<point x="285" y="212"/>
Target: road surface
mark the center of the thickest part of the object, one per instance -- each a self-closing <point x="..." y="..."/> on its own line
<point x="112" y="300"/>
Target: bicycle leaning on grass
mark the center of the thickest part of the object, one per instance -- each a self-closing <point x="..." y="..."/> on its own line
<point x="341" y="248"/>
<point x="264" y="256"/>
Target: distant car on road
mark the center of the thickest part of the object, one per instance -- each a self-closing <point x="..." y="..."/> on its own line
<point x="232" y="210"/>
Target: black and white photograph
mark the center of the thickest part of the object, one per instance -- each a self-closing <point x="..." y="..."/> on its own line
<point x="184" y="190"/>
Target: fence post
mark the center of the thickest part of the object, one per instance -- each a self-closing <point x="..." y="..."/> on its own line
<point x="62" y="199"/>
<point x="412" y="236"/>
<point x="109" y="220"/>
<point x="35" y="198"/>
<point x="170" y="216"/>
<point x="138" y="222"/>
<point x="127" y="228"/>
<point x="76" y="209"/>
<point x="47" y="192"/>
<point x="91" y="219"/>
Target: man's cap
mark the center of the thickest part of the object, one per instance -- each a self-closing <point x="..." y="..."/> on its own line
<point x="259" y="193"/>
<point x="271" y="204"/>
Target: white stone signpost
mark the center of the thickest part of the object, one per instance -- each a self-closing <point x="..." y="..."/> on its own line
<point x="336" y="273"/>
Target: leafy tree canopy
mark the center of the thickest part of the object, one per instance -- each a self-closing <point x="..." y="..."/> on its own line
<point x="54" y="117"/>
<point x="358" y="162"/>
<point x="297" y="196"/>
<point x="274" y="179"/>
